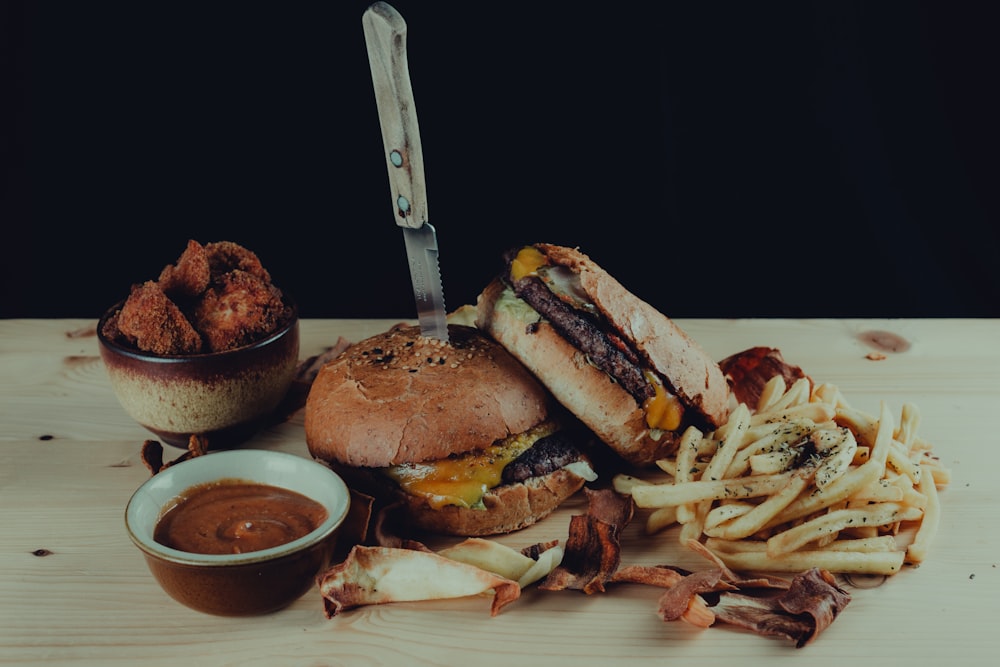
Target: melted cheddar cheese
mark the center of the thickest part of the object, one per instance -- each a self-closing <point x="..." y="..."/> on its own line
<point x="663" y="410"/>
<point x="464" y="480"/>
<point x="527" y="262"/>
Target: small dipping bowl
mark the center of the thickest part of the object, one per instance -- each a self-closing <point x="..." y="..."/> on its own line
<point x="225" y="397"/>
<point x="241" y="584"/>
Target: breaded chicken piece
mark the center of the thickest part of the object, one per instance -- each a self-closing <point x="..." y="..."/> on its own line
<point x="224" y="256"/>
<point x="237" y="309"/>
<point x="190" y="276"/>
<point x="154" y="323"/>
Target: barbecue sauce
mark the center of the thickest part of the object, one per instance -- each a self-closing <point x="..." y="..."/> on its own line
<point x="237" y="516"/>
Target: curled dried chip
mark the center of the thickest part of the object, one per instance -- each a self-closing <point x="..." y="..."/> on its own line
<point x="748" y="371"/>
<point x="663" y="576"/>
<point x="799" y="609"/>
<point x="504" y="561"/>
<point x="152" y="453"/>
<point x="676" y="600"/>
<point x="593" y="548"/>
<point x="800" y="613"/>
<point x="380" y="575"/>
<point x="815" y="592"/>
<point x="768" y="605"/>
<point x="354" y="529"/>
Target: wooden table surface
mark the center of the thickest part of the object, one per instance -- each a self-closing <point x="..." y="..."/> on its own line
<point x="74" y="590"/>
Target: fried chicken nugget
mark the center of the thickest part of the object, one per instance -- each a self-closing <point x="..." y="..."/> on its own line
<point x="225" y="256"/>
<point x="190" y="276"/>
<point x="154" y="323"/>
<point x="239" y="308"/>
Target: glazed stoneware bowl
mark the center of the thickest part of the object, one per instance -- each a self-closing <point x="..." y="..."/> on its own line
<point x="224" y="396"/>
<point x="251" y="582"/>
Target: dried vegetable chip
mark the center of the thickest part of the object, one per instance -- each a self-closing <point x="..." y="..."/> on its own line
<point x="380" y="575"/>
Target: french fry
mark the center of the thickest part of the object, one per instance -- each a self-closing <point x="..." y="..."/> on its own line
<point x="752" y="521"/>
<point x="778" y="438"/>
<point x="862" y="424"/>
<point x="898" y="458"/>
<point x="866" y="545"/>
<point x="730" y="439"/>
<point x="908" y="423"/>
<point x="915" y="498"/>
<point x="804" y="481"/>
<point x="829" y="393"/>
<point x="660" y="518"/>
<point x="837" y="447"/>
<point x="797" y="394"/>
<point x="687" y="470"/>
<point x="917" y="551"/>
<point x="882" y="491"/>
<point x="625" y="483"/>
<point x="658" y="495"/>
<point x="819" y="499"/>
<point x="818" y="412"/>
<point x="773" y="390"/>
<point x="880" y="514"/>
<point x="942" y="476"/>
<point x="772" y="462"/>
<point x="848" y="562"/>
<point x="730" y="443"/>
<point x="722" y="514"/>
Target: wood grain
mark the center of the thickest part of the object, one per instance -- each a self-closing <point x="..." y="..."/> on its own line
<point x="74" y="590"/>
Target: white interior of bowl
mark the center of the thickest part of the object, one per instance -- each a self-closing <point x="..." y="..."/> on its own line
<point x="288" y="471"/>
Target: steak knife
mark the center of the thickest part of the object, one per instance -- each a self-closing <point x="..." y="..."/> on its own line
<point x="385" y="37"/>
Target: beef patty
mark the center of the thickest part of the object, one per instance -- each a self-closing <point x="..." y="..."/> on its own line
<point x="604" y="349"/>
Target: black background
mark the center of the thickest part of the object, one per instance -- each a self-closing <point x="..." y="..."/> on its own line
<point x="722" y="159"/>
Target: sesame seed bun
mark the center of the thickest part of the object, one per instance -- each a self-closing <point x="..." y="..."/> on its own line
<point x="402" y="398"/>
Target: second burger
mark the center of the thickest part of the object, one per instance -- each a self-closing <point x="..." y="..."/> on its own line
<point x="626" y="370"/>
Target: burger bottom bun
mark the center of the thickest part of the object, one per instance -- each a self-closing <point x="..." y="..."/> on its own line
<point x="587" y="392"/>
<point x="508" y="507"/>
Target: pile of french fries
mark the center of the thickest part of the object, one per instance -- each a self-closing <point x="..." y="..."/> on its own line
<point x="802" y="480"/>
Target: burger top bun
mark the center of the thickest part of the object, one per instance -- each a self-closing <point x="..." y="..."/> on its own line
<point x="400" y="397"/>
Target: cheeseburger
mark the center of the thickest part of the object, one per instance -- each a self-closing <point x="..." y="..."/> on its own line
<point x="460" y="434"/>
<point x="623" y="368"/>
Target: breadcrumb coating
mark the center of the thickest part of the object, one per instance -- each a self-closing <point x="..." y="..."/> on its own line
<point x="216" y="297"/>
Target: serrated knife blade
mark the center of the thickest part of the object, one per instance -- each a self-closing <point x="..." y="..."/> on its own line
<point x="385" y="37"/>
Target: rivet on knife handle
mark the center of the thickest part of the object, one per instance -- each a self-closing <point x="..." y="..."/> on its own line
<point x="385" y="36"/>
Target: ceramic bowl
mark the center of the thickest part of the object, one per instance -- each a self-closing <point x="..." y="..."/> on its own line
<point x="240" y="584"/>
<point x="224" y="396"/>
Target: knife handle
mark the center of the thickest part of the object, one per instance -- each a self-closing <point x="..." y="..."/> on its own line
<point x="385" y="36"/>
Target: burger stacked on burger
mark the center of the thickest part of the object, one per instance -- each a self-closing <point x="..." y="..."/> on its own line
<point x="491" y="431"/>
<point x="623" y="368"/>
<point x="460" y="435"/>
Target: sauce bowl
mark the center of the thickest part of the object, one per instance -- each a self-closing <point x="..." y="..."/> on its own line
<point x="239" y="584"/>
